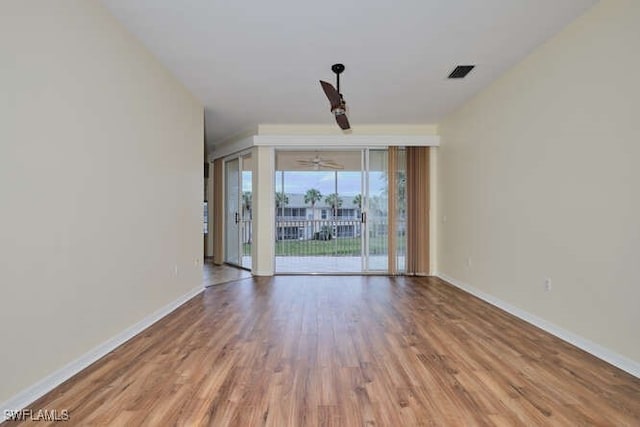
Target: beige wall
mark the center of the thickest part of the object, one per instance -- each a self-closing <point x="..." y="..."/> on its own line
<point x="100" y="185"/>
<point x="538" y="177"/>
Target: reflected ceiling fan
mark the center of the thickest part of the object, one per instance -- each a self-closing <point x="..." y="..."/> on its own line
<point x="317" y="162"/>
<point x="338" y="106"/>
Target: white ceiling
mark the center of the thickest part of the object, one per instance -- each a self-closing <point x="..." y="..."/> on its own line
<point x="259" y="61"/>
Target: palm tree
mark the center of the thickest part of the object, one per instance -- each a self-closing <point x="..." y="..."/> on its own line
<point x="374" y="205"/>
<point x="281" y="200"/>
<point x="402" y="193"/>
<point x="246" y="202"/>
<point x="312" y="196"/>
<point x="357" y="200"/>
<point x="334" y="201"/>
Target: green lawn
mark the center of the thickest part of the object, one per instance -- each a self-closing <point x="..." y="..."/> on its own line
<point x="343" y="246"/>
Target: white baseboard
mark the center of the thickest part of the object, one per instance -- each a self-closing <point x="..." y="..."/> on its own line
<point x="39" y="389"/>
<point x="590" y="347"/>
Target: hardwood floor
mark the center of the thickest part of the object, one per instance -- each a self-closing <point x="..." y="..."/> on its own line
<point x="345" y="351"/>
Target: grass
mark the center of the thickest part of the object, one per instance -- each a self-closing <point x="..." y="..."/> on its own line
<point x="342" y="246"/>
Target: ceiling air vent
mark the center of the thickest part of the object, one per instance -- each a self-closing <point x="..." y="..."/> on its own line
<point x="461" y="71"/>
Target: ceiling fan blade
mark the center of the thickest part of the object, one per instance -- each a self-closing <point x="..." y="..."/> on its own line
<point x="343" y="122"/>
<point x="330" y="162"/>
<point x="305" y="162"/>
<point x="332" y="94"/>
<point x="331" y="165"/>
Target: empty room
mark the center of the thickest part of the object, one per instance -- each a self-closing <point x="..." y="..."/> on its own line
<point x="342" y="213"/>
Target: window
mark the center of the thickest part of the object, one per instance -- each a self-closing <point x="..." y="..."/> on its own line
<point x="346" y="213"/>
<point x="289" y="233"/>
<point x="345" y="231"/>
<point x="299" y="213"/>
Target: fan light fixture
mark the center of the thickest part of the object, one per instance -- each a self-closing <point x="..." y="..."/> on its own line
<point x="317" y="162"/>
<point x="338" y="105"/>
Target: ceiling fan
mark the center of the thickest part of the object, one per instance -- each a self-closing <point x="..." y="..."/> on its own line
<point x="317" y="162"/>
<point x="338" y="106"/>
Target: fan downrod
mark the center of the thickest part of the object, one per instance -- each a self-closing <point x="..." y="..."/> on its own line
<point x="337" y="68"/>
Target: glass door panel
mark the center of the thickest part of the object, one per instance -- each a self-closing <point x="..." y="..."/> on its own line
<point x="337" y="220"/>
<point x="377" y="224"/>
<point x="232" y="211"/>
<point x="401" y="211"/>
<point x="246" y="230"/>
<point x="318" y="198"/>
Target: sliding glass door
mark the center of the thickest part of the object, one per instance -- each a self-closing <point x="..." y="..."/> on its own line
<point x="238" y="194"/>
<point x="332" y="212"/>
<point x="232" y="212"/>
<point x="318" y="222"/>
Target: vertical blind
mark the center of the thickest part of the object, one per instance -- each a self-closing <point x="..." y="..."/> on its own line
<point x="392" y="210"/>
<point x="418" y="210"/>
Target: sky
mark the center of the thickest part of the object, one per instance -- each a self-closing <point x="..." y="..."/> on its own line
<point x="349" y="183"/>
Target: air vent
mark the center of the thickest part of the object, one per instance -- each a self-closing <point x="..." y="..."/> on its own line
<point x="461" y="71"/>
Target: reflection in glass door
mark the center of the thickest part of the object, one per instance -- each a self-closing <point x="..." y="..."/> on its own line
<point x="377" y="215"/>
<point x="385" y="209"/>
<point x="232" y="211"/>
<point x="238" y="195"/>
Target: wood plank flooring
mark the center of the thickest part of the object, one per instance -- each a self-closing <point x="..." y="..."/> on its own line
<point x="345" y="351"/>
